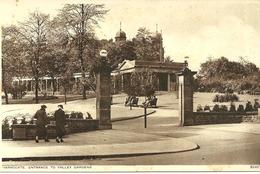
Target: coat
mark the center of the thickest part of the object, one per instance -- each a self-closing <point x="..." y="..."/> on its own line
<point x="60" y="119"/>
<point x="41" y="117"/>
<point x="41" y="122"/>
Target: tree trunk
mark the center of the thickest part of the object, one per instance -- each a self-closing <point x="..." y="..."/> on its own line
<point x="4" y="87"/>
<point x="84" y="92"/>
<point x="36" y="89"/>
<point x="6" y="96"/>
<point x="65" y="96"/>
<point x="81" y="49"/>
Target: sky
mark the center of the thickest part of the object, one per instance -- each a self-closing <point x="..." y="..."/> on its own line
<point x="198" y="29"/>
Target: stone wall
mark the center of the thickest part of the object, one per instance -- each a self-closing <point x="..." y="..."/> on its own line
<point x="27" y="131"/>
<point x="200" y="118"/>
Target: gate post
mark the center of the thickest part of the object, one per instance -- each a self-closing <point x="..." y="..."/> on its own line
<point x="185" y="79"/>
<point x="103" y="99"/>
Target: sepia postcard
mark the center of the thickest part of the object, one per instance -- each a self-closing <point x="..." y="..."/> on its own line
<point x="130" y="86"/>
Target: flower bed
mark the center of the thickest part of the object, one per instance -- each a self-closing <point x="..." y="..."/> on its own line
<point x="225" y="98"/>
<point x="221" y="114"/>
<point x="200" y="118"/>
<point x="27" y="131"/>
<point x="23" y="125"/>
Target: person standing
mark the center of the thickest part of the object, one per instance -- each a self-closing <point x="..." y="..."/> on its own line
<point x="60" y="119"/>
<point x="41" y="124"/>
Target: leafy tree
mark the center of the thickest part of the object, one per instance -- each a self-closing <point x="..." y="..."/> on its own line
<point x="79" y="21"/>
<point x="222" y="75"/>
<point x="13" y="62"/>
<point x="33" y="32"/>
<point x="66" y="82"/>
<point x="142" y="83"/>
<point x="57" y="53"/>
<point x="148" y="47"/>
<point x="119" y="52"/>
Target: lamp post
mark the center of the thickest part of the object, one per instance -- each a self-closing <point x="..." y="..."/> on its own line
<point x="103" y="102"/>
<point x="186" y="61"/>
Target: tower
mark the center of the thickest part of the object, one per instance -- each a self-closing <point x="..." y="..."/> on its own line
<point x="120" y="36"/>
<point x="159" y="44"/>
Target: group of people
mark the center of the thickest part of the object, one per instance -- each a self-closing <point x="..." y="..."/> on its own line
<point x="42" y="123"/>
<point x="150" y="100"/>
<point x="131" y="100"/>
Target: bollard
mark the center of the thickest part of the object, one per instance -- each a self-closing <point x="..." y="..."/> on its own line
<point x="145" y="117"/>
<point x="258" y="116"/>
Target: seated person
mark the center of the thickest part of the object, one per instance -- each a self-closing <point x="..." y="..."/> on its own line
<point x="127" y="101"/>
<point x="134" y="100"/>
<point x="147" y="101"/>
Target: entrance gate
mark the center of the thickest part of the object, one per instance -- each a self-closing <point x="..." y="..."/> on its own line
<point x="185" y="95"/>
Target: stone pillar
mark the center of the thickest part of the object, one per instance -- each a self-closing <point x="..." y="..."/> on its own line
<point x="186" y="97"/>
<point x="169" y="82"/>
<point x="103" y="99"/>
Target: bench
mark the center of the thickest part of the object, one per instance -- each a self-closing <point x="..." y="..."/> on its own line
<point x="132" y="100"/>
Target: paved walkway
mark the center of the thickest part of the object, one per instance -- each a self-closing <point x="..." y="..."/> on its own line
<point x="107" y="143"/>
<point x="96" y="144"/>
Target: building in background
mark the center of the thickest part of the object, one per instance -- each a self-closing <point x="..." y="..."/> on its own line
<point x="164" y="71"/>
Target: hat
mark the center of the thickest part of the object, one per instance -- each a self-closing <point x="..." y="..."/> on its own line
<point x="43" y="106"/>
<point x="60" y="106"/>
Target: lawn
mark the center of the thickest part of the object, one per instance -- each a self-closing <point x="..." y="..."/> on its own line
<point x="29" y="99"/>
<point x="206" y="99"/>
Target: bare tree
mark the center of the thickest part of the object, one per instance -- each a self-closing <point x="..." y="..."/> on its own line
<point x="79" y="21"/>
<point x="34" y="31"/>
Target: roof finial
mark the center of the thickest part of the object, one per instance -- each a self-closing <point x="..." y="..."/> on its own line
<point x="120" y="27"/>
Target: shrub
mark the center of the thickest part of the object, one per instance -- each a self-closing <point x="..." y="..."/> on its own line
<point x="223" y="108"/>
<point x="18" y="91"/>
<point x="216" y="98"/>
<point x="89" y="116"/>
<point x="240" y="108"/>
<point x="79" y="115"/>
<point x="206" y="108"/>
<point x="256" y="105"/>
<point x="67" y="115"/>
<point x="232" y="108"/>
<point x="73" y="115"/>
<point x="216" y="108"/>
<point x="142" y="84"/>
<point x="249" y="107"/>
<point x="46" y="97"/>
<point x="199" y="108"/>
<point x="225" y="98"/>
<point x="6" y="130"/>
<point x="76" y="115"/>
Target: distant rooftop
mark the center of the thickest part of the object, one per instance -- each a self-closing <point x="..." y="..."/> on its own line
<point x="156" y="66"/>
